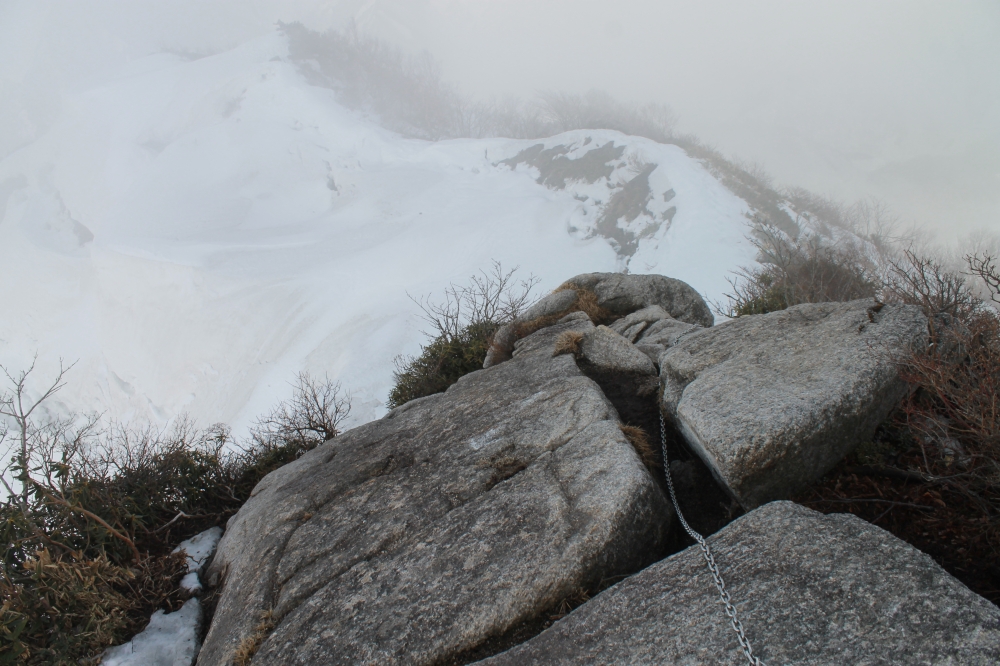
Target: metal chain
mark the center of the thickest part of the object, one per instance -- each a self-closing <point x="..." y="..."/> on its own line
<point x="709" y="558"/>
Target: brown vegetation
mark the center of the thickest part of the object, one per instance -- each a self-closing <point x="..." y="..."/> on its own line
<point x="639" y="440"/>
<point x="931" y="476"/>
<point x="92" y="515"/>
<point x="248" y="646"/>
<point x="568" y="342"/>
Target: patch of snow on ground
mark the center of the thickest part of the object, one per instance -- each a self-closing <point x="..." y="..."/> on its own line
<point x="170" y="639"/>
<point x="198" y="549"/>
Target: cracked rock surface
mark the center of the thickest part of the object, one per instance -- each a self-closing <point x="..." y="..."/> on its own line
<point x="619" y="294"/>
<point x="608" y="352"/>
<point x="455" y="518"/>
<point x="772" y="402"/>
<point x="623" y="294"/>
<point x="810" y="589"/>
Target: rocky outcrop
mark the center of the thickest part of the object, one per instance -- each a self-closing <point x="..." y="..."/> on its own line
<point x="621" y="294"/>
<point x="462" y="523"/>
<point x="772" y="402"/>
<point x="607" y="352"/>
<point x="605" y="296"/>
<point x="455" y="519"/>
<point x="631" y="326"/>
<point x="810" y="589"/>
<point x="666" y="332"/>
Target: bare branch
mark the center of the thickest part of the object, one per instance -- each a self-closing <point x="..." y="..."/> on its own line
<point x="313" y="415"/>
<point x="493" y="298"/>
<point x="984" y="266"/>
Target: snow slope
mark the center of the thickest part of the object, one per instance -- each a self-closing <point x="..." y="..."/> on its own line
<point x="195" y="232"/>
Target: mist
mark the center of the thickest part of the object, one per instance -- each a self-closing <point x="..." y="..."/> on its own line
<point x="895" y="100"/>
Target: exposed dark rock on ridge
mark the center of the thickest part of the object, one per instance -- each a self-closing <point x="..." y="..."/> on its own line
<point x="453" y="519"/>
<point x="555" y="168"/>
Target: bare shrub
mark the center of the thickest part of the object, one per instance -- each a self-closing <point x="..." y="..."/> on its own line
<point x="462" y="328"/>
<point x="960" y="394"/>
<point x="92" y="514"/>
<point x="983" y="265"/>
<point x="959" y="383"/>
<point x="919" y="280"/>
<point x="312" y="416"/>
<point x="490" y="299"/>
<point x="794" y="272"/>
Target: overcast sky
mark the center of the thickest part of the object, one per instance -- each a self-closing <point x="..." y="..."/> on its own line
<point x="897" y="99"/>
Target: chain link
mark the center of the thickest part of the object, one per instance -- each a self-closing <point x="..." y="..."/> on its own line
<point x="709" y="557"/>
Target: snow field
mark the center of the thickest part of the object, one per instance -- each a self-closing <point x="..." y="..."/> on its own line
<point x="196" y="232"/>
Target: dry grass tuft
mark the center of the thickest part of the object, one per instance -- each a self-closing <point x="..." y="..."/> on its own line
<point x="568" y="343"/>
<point x="639" y="440"/>
<point x="523" y="329"/>
<point x="249" y="645"/>
<point x="586" y="302"/>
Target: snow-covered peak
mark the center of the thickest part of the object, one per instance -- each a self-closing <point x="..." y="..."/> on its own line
<point x="196" y="232"/>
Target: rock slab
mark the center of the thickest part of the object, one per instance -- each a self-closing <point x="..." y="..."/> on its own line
<point x="618" y="294"/>
<point x="608" y="352"/>
<point x="810" y="589"/>
<point x="772" y="402"/>
<point x="623" y="294"/>
<point x="454" y="519"/>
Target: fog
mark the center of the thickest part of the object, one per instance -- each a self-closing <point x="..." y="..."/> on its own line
<point x="898" y="100"/>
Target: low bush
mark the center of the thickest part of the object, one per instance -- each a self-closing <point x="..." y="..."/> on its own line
<point x="91" y="516"/>
<point x="791" y="272"/>
<point x="441" y="363"/>
<point x="66" y="609"/>
<point x="932" y="474"/>
<point x="462" y="329"/>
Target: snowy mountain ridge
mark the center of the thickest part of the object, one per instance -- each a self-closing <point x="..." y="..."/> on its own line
<point x="196" y="232"/>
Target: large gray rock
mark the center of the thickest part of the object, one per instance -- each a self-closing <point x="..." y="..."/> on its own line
<point x="455" y="518"/>
<point x="608" y="352"/>
<point x="631" y="326"/>
<point x="614" y="294"/>
<point x="622" y="294"/>
<point x="666" y="332"/>
<point x="662" y="335"/>
<point x="556" y="303"/>
<point x="772" y="402"/>
<point x="810" y="589"/>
